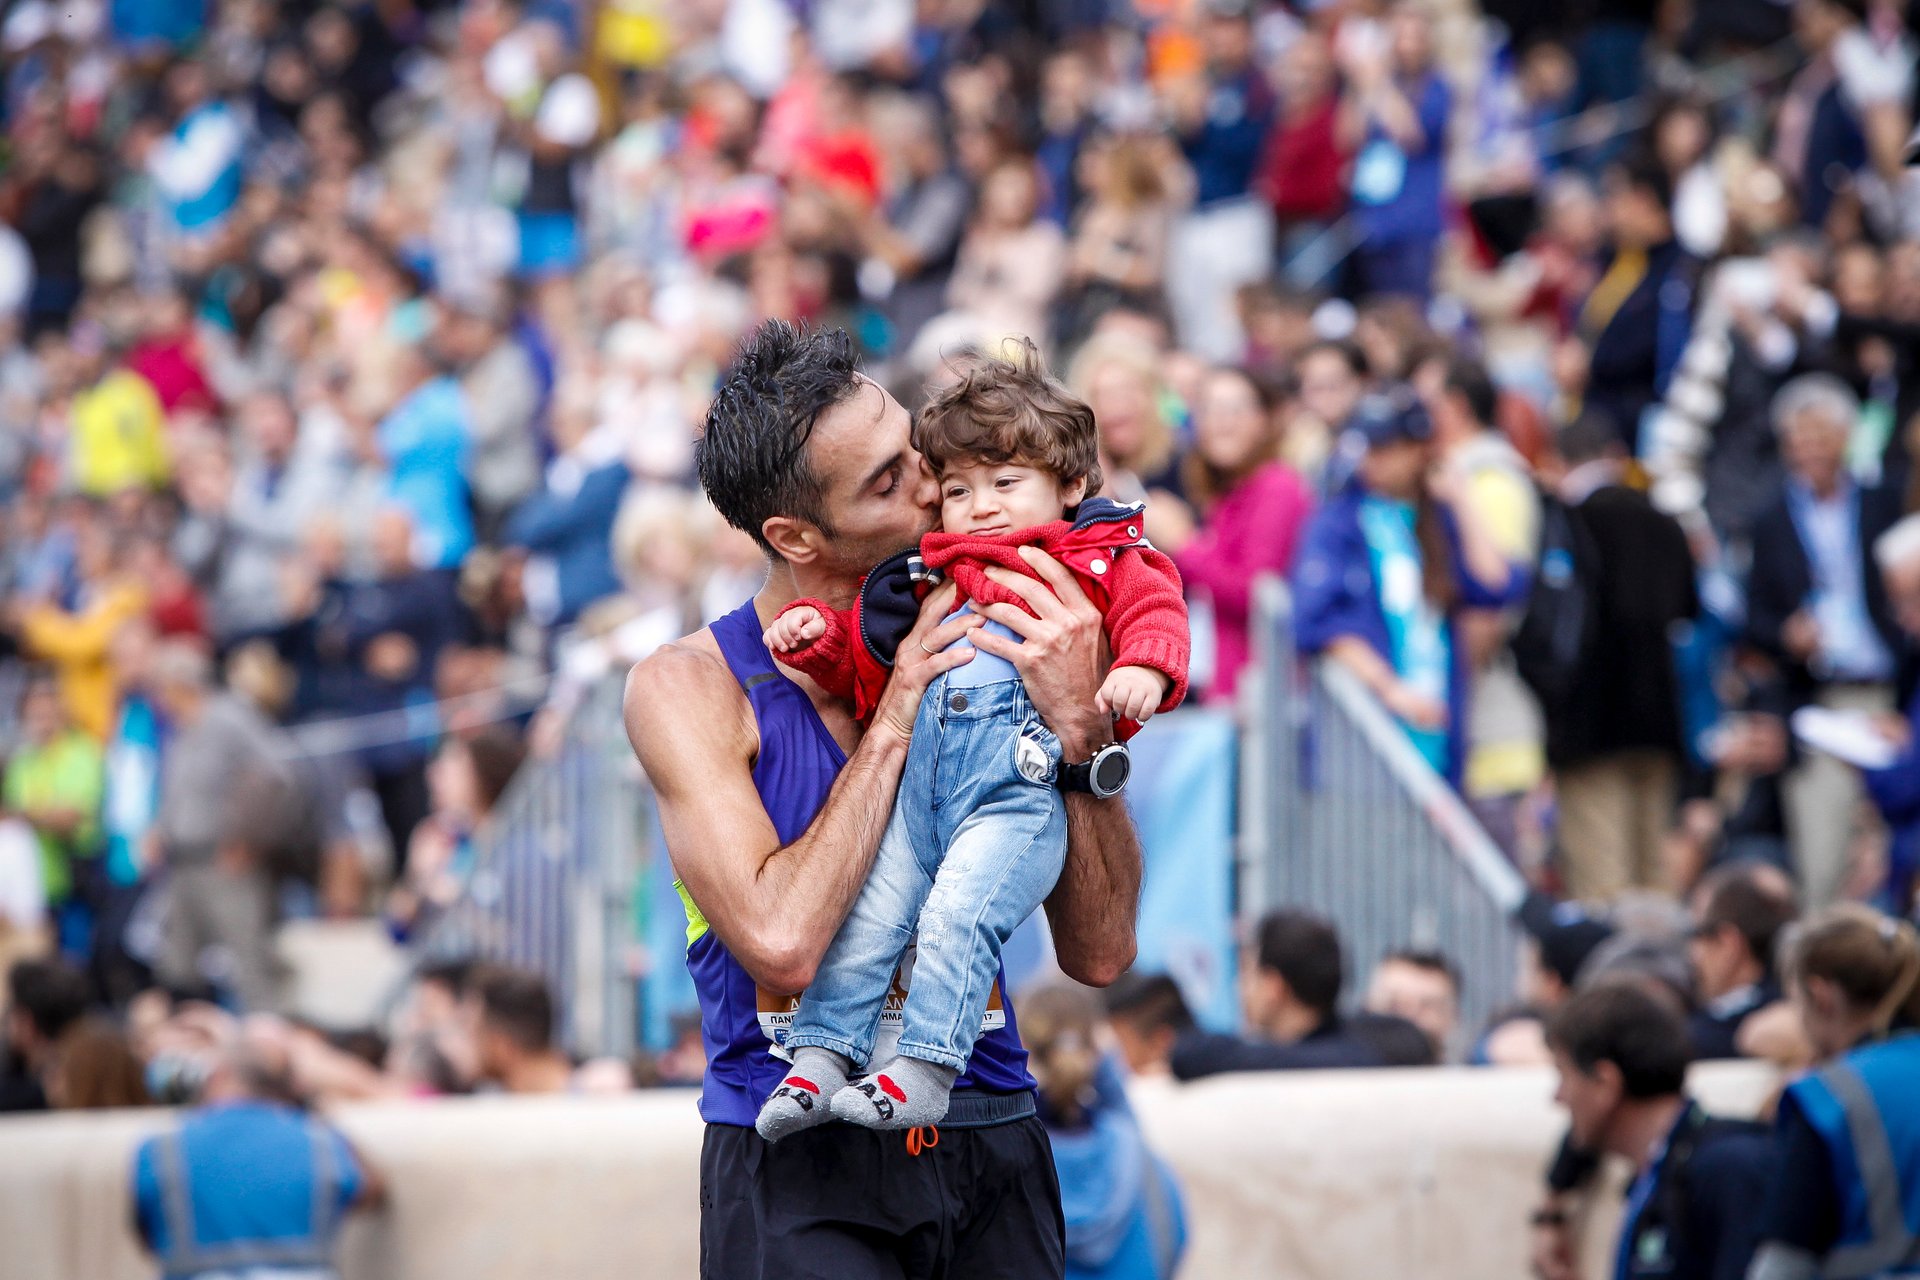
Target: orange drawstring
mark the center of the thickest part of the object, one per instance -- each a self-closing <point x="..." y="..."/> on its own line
<point x="922" y="1139"/>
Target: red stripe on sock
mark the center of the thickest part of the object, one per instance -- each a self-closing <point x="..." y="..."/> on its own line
<point x="798" y="1082"/>
<point x="891" y="1089"/>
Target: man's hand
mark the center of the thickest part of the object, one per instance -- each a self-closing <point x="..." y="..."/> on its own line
<point x="1801" y="636"/>
<point x="1059" y="654"/>
<point x="927" y="652"/>
<point x="1551" y="1253"/>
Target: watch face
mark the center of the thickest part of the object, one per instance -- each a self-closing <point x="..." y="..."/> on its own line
<point x="1110" y="772"/>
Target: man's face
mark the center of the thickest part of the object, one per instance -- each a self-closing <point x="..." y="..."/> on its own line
<point x="1328" y="387"/>
<point x="880" y="496"/>
<point x="1814" y="445"/>
<point x="1422" y="996"/>
<point x="1590" y="1099"/>
<point x="1903" y="591"/>
<point x="1145" y="1052"/>
<point x="1262" y="992"/>
<point x="1716" y="955"/>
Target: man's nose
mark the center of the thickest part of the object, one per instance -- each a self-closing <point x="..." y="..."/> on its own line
<point x="926" y="489"/>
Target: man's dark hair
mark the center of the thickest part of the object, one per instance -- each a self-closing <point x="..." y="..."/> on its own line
<point x="455" y="975"/>
<point x="1430" y="961"/>
<point x="51" y="993"/>
<point x="1349" y="352"/>
<point x="1468" y="379"/>
<point x="1149" y="1002"/>
<point x="752" y="457"/>
<point x="1632" y="1024"/>
<point x="1735" y="896"/>
<point x="1305" y="951"/>
<point x="1642" y="171"/>
<point x="517" y="1005"/>
<point x="1593" y="434"/>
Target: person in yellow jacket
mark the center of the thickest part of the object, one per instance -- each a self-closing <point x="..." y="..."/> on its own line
<point x="118" y="434"/>
<point x="76" y="641"/>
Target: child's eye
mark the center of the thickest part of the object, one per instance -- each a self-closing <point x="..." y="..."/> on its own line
<point x="956" y="492"/>
<point x="1007" y="482"/>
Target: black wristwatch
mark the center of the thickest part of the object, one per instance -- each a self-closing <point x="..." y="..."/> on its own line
<point x="1104" y="776"/>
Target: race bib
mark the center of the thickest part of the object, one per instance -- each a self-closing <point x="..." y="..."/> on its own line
<point x="776" y="1015"/>
<point x="1379" y="172"/>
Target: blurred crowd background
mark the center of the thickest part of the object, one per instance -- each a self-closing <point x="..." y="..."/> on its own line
<point x="352" y="356"/>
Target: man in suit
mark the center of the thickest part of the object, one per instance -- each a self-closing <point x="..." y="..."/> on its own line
<point x="1817" y="608"/>
<point x="1615" y="750"/>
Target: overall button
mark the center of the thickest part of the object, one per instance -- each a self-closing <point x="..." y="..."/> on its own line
<point x="958" y="702"/>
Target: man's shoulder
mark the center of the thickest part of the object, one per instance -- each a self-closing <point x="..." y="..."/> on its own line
<point x="686" y="676"/>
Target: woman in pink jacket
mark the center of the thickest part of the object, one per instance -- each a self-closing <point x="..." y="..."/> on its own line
<point x="1250" y="506"/>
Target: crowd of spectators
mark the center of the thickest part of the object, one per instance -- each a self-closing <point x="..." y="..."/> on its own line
<point x="352" y="357"/>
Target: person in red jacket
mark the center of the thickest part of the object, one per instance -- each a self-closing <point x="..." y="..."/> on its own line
<point x="978" y="832"/>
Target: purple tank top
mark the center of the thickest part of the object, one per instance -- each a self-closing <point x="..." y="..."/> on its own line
<point x="795" y="769"/>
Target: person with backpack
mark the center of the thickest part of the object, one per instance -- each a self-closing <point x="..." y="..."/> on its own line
<point x="1621" y="1051"/>
<point x="1614" y="581"/>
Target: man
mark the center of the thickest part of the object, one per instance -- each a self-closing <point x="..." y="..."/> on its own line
<point x="773" y="800"/>
<point x="1422" y="987"/>
<point x="219" y="911"/>
<point x="1615" y="746"/>
<point x="1818" y="611"/>
<point x="502" y="390"/>
<point x="1739" y="915"/>
<point x="1621" y="1053"/>
<point x="911" y="242"/>
<point x="1149" y="1016"/>
<point x="1637" y="317"/>
<point x="1505" y="736"/>
<point x="1561" y="938"/>
<point x="241" y="530"/>
<point x="248" y="1185"/>
<point x="1290" y="998"/>
<point x="1221" y="115"/>
<point x="515" y="1035"/>
<point x="1896" y="788"/>
<point x="44" y="998"/>
<point x="1844" y="117"/>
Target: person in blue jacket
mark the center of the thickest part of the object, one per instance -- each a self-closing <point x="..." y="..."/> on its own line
<point x="1895" y="789"/>
<point x="1124" y="1216"/>
<point x="1385" y="567"/>
<point x="1845" y="1202"/>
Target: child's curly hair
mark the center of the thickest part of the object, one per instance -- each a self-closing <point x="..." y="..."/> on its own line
<point x="1010" y="409"/>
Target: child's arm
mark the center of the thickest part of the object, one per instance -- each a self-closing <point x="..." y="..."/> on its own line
<point x="817" y="641"/>
<point x="1147" y="626"/>
<point x="1133" y="693"/>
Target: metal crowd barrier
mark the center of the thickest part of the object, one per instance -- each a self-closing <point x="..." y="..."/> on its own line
<point x="1340" y="815"/>
<point x="555" y="876"/>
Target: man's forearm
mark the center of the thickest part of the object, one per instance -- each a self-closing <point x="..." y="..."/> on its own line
<point x="1097" y="901"/>
<point x="812" y="882"/>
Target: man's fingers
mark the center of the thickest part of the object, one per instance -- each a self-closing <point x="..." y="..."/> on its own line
<point x="936" y="640"/>
<point x="1016" y="619"/>
<point x="1039" y="596"/>
<point x="1066" y="588"/>
<point x="998" y="645"/>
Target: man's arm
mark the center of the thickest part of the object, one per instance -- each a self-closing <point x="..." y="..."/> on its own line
<point x="777" y="907"/>
<point x="1096" y="903"/>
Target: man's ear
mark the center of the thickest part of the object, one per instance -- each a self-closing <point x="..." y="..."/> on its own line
<point x="1608" y="1074"/>
<point x="796" y="541"/>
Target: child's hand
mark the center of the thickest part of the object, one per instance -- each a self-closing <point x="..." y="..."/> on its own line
<point x="795" y="629"/>
<point x="1133" y="693"/>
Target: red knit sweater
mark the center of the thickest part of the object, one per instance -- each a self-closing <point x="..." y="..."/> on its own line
<point x="1135" y="587"/>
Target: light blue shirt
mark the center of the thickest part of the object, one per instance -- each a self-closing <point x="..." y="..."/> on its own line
<point x="1422" y="654"/>
<point x="986" y="668"/>
<point x="1850" y="646"/>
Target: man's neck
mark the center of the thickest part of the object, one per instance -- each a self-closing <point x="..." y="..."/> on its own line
<point x="1293" y="1024"/>
<point x="1640" y="1130"/>
<point x="786" y="583"/>
<point x="540" y="1073"/>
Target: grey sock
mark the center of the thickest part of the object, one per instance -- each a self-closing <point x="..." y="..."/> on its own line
<point x="903" y="1094"/>
<point x="801" y="1101"/>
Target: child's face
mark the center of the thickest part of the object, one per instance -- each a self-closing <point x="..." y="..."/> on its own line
<point x="999" y="497"/>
